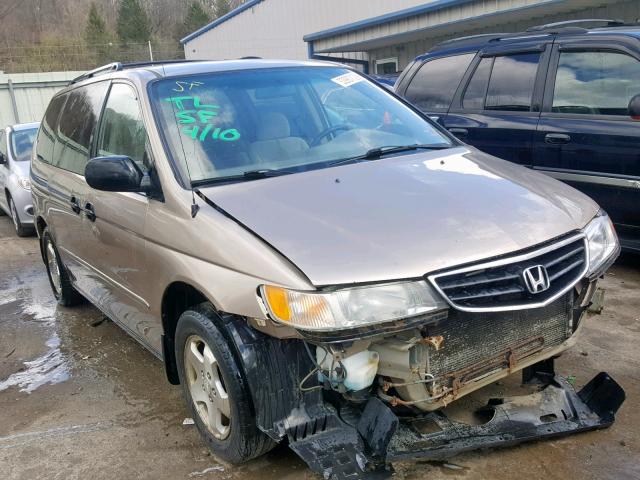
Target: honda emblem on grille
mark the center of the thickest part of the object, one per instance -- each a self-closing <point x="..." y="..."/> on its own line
<point x="536" y="279"/>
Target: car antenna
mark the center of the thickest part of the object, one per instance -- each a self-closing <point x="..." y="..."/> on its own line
<point x="194" y="206"/>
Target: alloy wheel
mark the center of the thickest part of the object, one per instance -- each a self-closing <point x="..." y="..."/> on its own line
<point x="207" y="387"/>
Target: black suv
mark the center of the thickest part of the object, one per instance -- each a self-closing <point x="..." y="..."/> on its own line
<point x="557" y="98"/>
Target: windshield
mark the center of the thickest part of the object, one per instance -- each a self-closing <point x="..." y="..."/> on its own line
<point x="222" y="125"/>
<point x="22" y="143"/>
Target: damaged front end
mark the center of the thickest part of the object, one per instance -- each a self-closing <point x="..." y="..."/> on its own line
<point x="352" y="401"/>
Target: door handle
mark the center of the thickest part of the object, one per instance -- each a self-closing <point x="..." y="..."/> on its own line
<point x="459" y="132"/>
<point x="557" y="138"/>
<point x="75" y="206"/>
<point x="89" y="212"/>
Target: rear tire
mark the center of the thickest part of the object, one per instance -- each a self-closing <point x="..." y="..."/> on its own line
<point x="61" y="286"/>
<point x="215" y="388"/>
<point x="21" y="230"/>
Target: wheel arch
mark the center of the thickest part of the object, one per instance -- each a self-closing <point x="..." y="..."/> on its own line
<point x="40" y="224"/>
<point x="177" y="298"/>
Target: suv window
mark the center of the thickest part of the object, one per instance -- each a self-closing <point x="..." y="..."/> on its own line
<point x="477" y="88"/>
<point x="512" y="81"/>
<point x="46" y="136"/>
<point x="595" y="83"/>
<point x="433" y="86"/>
<point x="122" y="129"/>
<point x="77" y="122"/>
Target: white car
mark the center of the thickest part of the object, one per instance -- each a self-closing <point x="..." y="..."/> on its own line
<point x="16" y="143"/>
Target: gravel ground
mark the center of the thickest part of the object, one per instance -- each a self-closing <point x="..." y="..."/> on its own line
<point x="80" y="399"/>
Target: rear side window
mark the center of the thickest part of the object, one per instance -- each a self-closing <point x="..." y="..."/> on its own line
<point x="595" y="83"/>
<point x="76" y="126"/>
<point x="46" y="135"/>
<point x="433" y="86"/>
<point x="512" y="81"/>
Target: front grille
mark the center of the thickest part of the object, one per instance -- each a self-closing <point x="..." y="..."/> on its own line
<point x="499" y="285"/>
<point x="475" y="344"/>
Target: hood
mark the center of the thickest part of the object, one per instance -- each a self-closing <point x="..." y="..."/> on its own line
<point x="405" y="216"/>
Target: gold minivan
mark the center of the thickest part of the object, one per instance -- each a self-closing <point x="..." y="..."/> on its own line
<point x="316" y="261"/>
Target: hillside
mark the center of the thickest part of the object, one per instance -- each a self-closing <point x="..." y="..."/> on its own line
<point x="45" y="35"/>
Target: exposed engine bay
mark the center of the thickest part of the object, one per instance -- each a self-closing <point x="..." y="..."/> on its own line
<point x="351" y="405"/>
<point x="452" y="354"/>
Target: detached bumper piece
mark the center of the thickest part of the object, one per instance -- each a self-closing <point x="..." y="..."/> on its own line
<point x="364" y="450"/>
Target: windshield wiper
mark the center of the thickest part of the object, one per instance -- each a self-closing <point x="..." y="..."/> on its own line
<point x="378" y="152"/>
<point x="264" y="173"/>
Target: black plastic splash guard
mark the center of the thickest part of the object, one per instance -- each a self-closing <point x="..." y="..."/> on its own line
<point x="379" y="438"/>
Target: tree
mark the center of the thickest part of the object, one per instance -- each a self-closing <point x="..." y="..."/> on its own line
<point x="196" y="17"/>
<point x="95" y="32"/>
<point x="222" y="7"/>
<point x="133" y="23"/>
<point x="97" y="37"/>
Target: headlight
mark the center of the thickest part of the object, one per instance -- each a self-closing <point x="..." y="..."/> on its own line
<point x="351" y="307"/>
<point x="25" y="183"/>
<point x="602" y="240"/>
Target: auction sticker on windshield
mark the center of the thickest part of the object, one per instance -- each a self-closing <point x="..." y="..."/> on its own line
<point x="347" y="79"/>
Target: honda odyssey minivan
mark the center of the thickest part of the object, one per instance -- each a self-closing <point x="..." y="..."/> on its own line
<point x="322" y="272"/>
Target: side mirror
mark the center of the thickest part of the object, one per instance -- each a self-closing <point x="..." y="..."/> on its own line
<point x="117" y="173"/>
<point x="3" y="158"/>
<point x="634" y="107"/>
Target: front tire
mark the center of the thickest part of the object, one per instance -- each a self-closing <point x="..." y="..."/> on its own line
<point x="59" y="279"/>
<point x="215" y="388"/>
<point x="21" y="230"/>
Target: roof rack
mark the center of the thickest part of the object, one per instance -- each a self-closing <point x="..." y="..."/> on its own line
<point x="117" y="66"/>
<point x="601" y="22"/>
<point x="491" y="36"/>
<point x="110" y="67"/>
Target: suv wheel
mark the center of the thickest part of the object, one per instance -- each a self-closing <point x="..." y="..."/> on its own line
<point x="58" y="277"/>
<point x="21" y="230"/>
<point x="215" y="389"/>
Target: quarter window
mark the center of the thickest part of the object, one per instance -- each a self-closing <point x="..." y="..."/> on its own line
<point x="122" y="129"/>
<point x="433" y="86"/>
<point x="76" y="126"/>
<point x="595" y="83"/>
<point x="512" y="81"/>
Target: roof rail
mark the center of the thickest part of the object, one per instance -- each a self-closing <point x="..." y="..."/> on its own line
<point x="492" y="36"/>
<point x="117" y="66"/>
<point x="110" y="67"/>
<point x="602" y="22"/>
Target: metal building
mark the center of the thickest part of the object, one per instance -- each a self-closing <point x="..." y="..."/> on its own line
<point x="24" y="96"/>
<point x="380" y="36"/>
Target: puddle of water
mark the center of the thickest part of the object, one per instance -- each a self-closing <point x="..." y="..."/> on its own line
<point x="50" y="368"/>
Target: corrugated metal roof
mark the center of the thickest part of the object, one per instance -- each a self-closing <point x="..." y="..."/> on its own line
<point x="222" y="19"/>
<point x="386" y="18"/>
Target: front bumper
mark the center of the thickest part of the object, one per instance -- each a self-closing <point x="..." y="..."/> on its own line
<point x="364" y="449"/>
